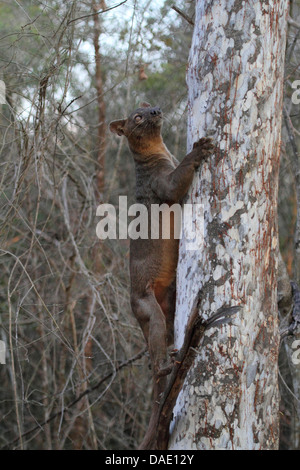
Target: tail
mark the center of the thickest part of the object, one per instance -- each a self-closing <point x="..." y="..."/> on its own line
<point x="149" y="441"/>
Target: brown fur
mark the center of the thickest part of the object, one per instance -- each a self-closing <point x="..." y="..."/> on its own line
<point x="159" y="179"/>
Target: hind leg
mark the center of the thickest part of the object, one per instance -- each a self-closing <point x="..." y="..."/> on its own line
<point x="167" y="304"/>
<point x="153" y="323"/>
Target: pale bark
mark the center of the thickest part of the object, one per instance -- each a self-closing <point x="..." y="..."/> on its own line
<point x="235" y="76"/>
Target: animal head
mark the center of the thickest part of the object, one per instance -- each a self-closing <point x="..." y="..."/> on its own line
<point x="141" y="122"/>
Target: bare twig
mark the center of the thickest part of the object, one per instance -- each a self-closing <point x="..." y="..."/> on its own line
<point x="294" y="23"/>
<point x="181" y="13"/>
<point x="80" y="18"/>
<point x="80" y="397"/>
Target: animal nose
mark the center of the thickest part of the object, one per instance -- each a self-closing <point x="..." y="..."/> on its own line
<point x="155" y="111"/>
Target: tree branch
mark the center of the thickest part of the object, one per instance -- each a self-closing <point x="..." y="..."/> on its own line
<point x="98" y="13"/>
<point x="293" y="23"/>
<point x="181" y="13"/>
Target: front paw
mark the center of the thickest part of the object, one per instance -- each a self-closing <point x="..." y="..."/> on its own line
<point x="202" y="150"/>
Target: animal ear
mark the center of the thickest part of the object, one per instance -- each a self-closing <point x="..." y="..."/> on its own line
<point x="145" y="105"/>
<point x="117" y="127"/>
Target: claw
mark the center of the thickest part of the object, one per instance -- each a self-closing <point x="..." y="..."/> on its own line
<point x="173" y="352"/>
<point x="204" y="141"/>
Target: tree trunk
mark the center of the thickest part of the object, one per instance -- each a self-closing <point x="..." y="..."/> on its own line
<point x="101" y="104"/>
<point x="235" y="77"/>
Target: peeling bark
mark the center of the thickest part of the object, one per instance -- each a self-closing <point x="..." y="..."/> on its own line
<point x="235" y="74"/>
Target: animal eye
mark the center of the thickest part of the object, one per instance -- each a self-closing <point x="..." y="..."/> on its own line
<point x="138" y="118"/>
